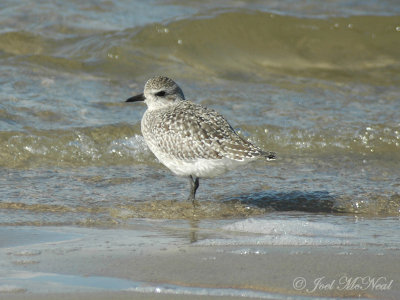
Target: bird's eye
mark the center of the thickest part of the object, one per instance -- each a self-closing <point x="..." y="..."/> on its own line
<point x="160" y="93"/>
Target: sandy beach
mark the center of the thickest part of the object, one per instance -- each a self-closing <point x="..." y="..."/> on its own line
<point x="182" y="262"/>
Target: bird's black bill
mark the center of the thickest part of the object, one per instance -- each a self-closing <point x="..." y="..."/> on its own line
<point x="136" y="98"/>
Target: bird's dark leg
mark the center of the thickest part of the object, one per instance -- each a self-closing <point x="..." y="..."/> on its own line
<point x="194" y="184"/>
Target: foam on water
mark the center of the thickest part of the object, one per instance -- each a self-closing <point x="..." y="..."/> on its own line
<point x="304" y="231"/>
<point x="283" y="238"/>
<point x="132" y="146"/>
<point x="288" y="227"/>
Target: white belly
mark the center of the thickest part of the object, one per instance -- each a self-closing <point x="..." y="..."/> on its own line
<point x="199" y="167"/>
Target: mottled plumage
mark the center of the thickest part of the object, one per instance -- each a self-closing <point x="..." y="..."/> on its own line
<point x="188" y="138"/>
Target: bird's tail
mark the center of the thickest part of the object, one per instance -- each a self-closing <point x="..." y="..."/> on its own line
<point x="269" y="155"/>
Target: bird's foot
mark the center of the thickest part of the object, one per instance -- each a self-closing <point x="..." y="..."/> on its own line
<point x="194" y="201"/>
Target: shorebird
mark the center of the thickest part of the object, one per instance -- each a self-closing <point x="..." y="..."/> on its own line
<point x="188" y="138"/>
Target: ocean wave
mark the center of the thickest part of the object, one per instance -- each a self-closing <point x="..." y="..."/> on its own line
<point x="123" y="143"/>
<point x="107" y="145"/>
<point x="239" y="44"/>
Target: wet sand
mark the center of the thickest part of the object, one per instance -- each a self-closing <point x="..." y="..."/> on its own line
<point x="84" y="263"/>
<point x="115" y="295"/>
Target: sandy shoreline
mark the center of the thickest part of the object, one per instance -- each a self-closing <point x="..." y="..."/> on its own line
<point x="113" y="295"/>
<point x="96" y="263"/>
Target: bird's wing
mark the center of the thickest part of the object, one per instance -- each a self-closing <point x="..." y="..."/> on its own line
<point x="192" y="131"/>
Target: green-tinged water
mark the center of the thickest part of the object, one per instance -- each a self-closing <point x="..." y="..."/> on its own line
<point x="319" y="85"/>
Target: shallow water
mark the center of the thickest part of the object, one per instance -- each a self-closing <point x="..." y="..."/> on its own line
<point x="318" y="84"/>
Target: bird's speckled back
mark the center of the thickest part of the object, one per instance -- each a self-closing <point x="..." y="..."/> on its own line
<point x="189" y="131"/>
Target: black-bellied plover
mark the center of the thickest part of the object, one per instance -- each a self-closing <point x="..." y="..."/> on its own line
<point x="190" y="139"/>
